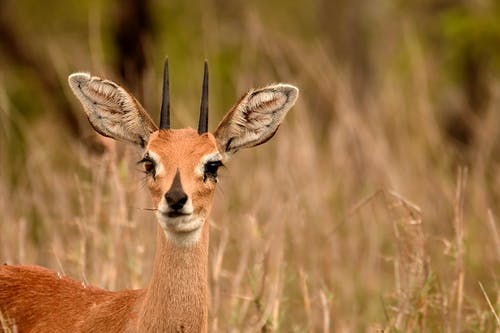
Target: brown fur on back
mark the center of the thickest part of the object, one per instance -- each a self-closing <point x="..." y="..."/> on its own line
<point x="30" y="294"/>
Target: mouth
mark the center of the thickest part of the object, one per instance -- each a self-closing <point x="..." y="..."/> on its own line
<point x="174" y="217"/>
<point x="175" y="222"/>
<point x="174" y="214"/>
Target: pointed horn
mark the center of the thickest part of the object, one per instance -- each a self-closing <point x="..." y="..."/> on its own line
<point x="203" y="123"/>
<point x="165" y="102"/>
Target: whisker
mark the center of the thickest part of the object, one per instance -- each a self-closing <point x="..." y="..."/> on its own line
<point x="148" y="209"/>
<point x="143" y="181"/>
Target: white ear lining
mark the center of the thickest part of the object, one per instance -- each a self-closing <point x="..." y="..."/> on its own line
<point x="256" y="117"/>
<point x="111" y="110"/>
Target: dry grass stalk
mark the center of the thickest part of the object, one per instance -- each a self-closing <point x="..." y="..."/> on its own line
<point x="336" y="260"/>
<point x="492" y="308"/>
<point x="494" y="233"/>
<point x="458" y="223"/>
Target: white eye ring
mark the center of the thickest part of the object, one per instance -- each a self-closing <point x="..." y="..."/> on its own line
<point x="152" y="163"/>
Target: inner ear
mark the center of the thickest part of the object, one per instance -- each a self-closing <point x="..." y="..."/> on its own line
<point x="112" y="111"/>
<point x="255" y="118"/>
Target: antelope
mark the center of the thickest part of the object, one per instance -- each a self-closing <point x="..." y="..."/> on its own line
<point x="181" y="167"/>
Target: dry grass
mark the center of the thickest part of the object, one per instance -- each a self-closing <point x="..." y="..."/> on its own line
<point x="354" y="218"/>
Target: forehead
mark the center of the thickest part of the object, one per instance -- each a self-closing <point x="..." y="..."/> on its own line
<point x="181" y="143"/>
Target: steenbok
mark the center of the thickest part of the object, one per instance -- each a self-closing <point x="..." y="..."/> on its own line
<point x="181" y="165"/>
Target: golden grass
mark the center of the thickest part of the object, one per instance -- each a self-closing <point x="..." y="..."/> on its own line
<point x="354" y="218"/>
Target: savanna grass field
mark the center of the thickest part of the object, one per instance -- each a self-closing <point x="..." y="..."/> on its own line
<point x="375" y="208"/>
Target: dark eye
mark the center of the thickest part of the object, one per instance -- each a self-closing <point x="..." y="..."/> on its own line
<point x="149" y="166"/>
<point x="211" y="170"/>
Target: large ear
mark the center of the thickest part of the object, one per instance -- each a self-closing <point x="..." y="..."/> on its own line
<point x="255" y="118"/>
<point x="111" y="110"/>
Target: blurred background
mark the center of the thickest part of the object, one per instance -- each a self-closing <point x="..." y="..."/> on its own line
<point x="374" y="209"/>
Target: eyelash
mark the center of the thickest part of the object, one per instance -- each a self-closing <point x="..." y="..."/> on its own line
<point x="210" y="170"/>
<point x="149" y="166"/>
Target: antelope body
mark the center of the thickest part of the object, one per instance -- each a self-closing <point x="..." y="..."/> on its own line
<point x="181" y="166"/>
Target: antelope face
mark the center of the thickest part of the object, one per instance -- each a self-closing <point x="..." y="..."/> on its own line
<point x="181" y="165"/>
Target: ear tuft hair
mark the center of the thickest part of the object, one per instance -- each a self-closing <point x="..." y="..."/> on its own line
<point x="112" y="111"/>
<point x="256" y="117"/>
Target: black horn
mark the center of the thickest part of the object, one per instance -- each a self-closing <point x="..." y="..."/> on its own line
<point x="203" y="123"/>
<point x="165" y="102"/>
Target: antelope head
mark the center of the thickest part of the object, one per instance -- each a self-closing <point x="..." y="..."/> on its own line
<point x="181" y="164"/>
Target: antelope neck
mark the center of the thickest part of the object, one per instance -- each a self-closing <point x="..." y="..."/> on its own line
<point x="177" y="296"/>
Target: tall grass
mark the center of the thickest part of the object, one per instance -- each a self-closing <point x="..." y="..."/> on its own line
<point x="359" y="216"/>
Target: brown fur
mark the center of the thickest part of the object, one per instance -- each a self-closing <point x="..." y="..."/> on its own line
<point x="178" y="287"/>
<point x="30" y="293"/>
<point x="176" y="300"/>
<point x="184" y="148"/>
<point x="34" y="299"/>
<point x="177" y="291"/>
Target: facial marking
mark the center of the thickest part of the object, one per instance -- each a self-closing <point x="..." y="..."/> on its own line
<point x="186" y="152"/>
<point x="212" y="157"/>
<point x="159" y="169"/>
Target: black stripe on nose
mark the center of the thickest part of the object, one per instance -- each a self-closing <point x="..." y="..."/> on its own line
<point x="175" y="196"/>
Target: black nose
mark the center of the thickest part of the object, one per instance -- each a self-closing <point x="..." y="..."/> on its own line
<point x="176" y="199"/>
<point x="175" y="196"/>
